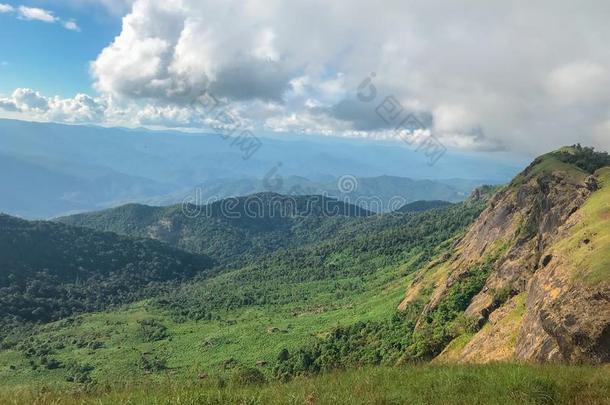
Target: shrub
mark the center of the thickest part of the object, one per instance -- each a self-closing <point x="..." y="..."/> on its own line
<point x="248" y="376"/>
<point x="79" y="373"/>
<point x="152" y="330"/>
<point x="151" y="363"/>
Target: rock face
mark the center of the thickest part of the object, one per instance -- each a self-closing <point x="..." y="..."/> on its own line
<point x="547" y="295"/>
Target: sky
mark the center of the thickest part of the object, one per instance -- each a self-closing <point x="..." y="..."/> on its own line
<point x="515" y="76"/>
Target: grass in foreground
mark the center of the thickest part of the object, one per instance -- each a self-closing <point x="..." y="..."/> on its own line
<point x="426" y="384"/>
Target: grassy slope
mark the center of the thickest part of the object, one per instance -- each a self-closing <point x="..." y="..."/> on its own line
<point x="359" y="276"/>
<point x="592" y="260"/>
<point x="483" y="384"/>
<point x="196" y="346"/>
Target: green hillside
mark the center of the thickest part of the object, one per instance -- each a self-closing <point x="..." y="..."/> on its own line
<point x="50" y="271"/>
<point x="246" y="316"/>
<point x="235" y="230"/>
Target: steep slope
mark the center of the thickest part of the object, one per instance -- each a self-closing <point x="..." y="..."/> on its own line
<point x="233" y="230"/>
<point x="50" y="271"/>
<point x="531" y="278"/>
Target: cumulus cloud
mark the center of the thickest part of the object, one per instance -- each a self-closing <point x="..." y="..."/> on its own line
<point x="173" y="50"/>
<point x="29" y="100"/>
<point x="81" y="108"/>
<point x="8" y="105"/>
<point x="6" y="8"/>
<point x="481" y="75"/>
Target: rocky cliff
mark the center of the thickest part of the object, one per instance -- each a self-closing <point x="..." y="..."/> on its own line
<point x="533" y="271"/>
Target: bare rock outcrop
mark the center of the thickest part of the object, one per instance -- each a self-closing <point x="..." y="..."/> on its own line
<point x="524" y="233"/>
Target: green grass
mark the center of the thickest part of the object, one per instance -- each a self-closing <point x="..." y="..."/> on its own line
<point x="429" y="384"/>
<point x="284" y="301"/>
<point x="591" y="259"/>
<point x="550" y="164"/>
<point x="452" y="352"/>
<point x="248" y="335"/>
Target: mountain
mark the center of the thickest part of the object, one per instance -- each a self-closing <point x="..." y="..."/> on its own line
<point x="42" y="188"/>
<point x="517" y="273"/>
<point x="50" y="271"/>
<point x="532" y="273"/>
<point x="76" y="168"/>
<point x="230" y="230"/>
<point x="352" y="271"/>
<point x="377" y="194"/>
<point x="528" y="281"/>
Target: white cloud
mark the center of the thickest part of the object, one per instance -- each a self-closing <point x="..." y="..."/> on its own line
<point x="265" y="49"/>
<point x="71" y="25"/>
<point x="29" y="100"/>
<point x="8" y="105"/>
<point x="6" y="8"/>
<point x="486" y="74"/>
<point x="528" y="75"/>
<point x="33" y="104"/>
<point x="38" y="14"/>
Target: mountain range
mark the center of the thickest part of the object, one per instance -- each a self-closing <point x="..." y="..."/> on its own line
<point x="49" y="170"/>
<point x="513" y="273"/>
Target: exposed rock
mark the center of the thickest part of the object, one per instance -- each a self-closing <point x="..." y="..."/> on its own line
<point x="496" y="341"/>
<point x="591" y="183"/>
<point x="522" y="232"/>
<point x="565" y="318"/>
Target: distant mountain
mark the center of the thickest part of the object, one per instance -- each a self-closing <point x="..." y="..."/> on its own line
<point x="50" y="270"/>
<point x="86" y="167"/>
<point x="376" y="194"/>
<point x="418" y="206"/>
<point x="234" y="229"/>
<point x="42" y="188"/>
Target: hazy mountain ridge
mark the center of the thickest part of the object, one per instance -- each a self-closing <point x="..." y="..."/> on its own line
<point x="37" y="189"/>
<point x="163" y="167"/>
<point x="377" y="194"/>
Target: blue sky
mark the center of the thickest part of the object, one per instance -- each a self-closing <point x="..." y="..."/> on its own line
<point x="48" y="57"/>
